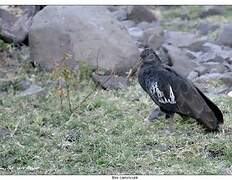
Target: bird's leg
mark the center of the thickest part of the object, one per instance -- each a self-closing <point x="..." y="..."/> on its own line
<point x="154" y="114"/>
<point x="171" y="122"/>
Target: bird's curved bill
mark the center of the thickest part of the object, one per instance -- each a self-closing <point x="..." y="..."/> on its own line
<point x="135" y="68"/>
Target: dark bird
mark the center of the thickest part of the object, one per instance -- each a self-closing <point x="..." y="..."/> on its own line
<point x="174" y="93"/>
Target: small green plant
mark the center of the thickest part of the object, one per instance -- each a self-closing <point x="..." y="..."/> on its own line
<point x="85" y="71"/>
<point x="4" y="46"/>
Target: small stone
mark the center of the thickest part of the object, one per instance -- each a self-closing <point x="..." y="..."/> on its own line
<point x="23" y="85"/>
<point x="136" y="33"/>
<point x="72" y="136"/>
<point x="4" y="132"/>
<point x="32" y="90"/>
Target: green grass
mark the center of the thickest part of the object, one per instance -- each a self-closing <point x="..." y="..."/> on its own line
<point x="176" y="24"/>
<point x="107" y="136"/>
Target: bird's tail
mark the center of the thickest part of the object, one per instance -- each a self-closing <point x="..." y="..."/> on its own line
<point x="218" y="114"/>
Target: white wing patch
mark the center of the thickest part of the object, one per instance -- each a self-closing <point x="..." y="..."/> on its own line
<point x="160" y="95"/>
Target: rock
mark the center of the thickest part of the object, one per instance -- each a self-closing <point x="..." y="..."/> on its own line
<point x="141" y="13"/>
<point x="211" y="47"/>
<point x="230" y="94"/>
<point x="136" y="33"/>
<point x="192" y="75"/>
<point x="120" y="15"/>
<point x="228" y="66"/>
<point x="193" y="55"/>
<point x="165" y="58"/>
<point x="154" y="37"/>
<point x="112" y="8"/>
<point x="219" y="69"/>
<point x="145" y="25"/>
<point x="2" y="94"/>
<point x="214" y="67"/>
<point x="201" y="70"/>
<point x="15" y="22"/>
<point x="72" y="136"/>
<point x="184" y="40"/>
<point x="4" y="132"/>
<point x="115" y="82"/>
<point x="181" y="62"/>
<point x="128" y="24"/>
<point x="88" y="33"/>
<point x="14" y="83"/>
<point x="197" y="44"/>
<point x="208" y="77"/>
<point x="212" y="10"/>
<point x="225" y="36"/>
<point x="23" y="85"/>
<point x="206" y="27"/>
<point x="213" y="53"/>
<point x="226" y="78"/>
<point x="223" y="89"/>
<point x="32" y="90"/>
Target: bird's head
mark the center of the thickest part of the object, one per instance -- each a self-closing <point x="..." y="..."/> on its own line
<point x="147" y="56"/>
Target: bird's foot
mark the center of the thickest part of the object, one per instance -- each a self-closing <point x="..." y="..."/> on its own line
<point x="171" y="123"/>
<point x="147" y="121"/>
<point x="154" y="115"/>
<point x="172" y="127"/>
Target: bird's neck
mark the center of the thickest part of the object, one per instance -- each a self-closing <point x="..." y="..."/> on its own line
<point x="150" y="63"/>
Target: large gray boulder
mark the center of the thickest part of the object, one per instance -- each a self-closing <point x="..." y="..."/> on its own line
<point x="206" y="27"/>
<point x="181" y="62"/>
<point x="210" y="52"/>
<point x="184" y="40"/>
<point x="15" y="22"/>
<point x="140" y="14"/>
<point x="86" y="33"/>
<point x="154" y="37"/>
<point x="212" y="11"/>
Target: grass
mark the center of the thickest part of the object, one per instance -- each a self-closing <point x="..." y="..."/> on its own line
<point x="174" y="22"/>
<point x="106" y="136"/>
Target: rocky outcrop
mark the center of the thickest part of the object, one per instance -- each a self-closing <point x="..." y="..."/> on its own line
<point x="15" y="22"/>
<point x="87" y="33"/>
<point x="141" y="13"/>
<point x="225" y="36"/>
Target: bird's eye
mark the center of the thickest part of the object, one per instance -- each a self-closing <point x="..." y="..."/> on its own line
<point x="151" y="56"/>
